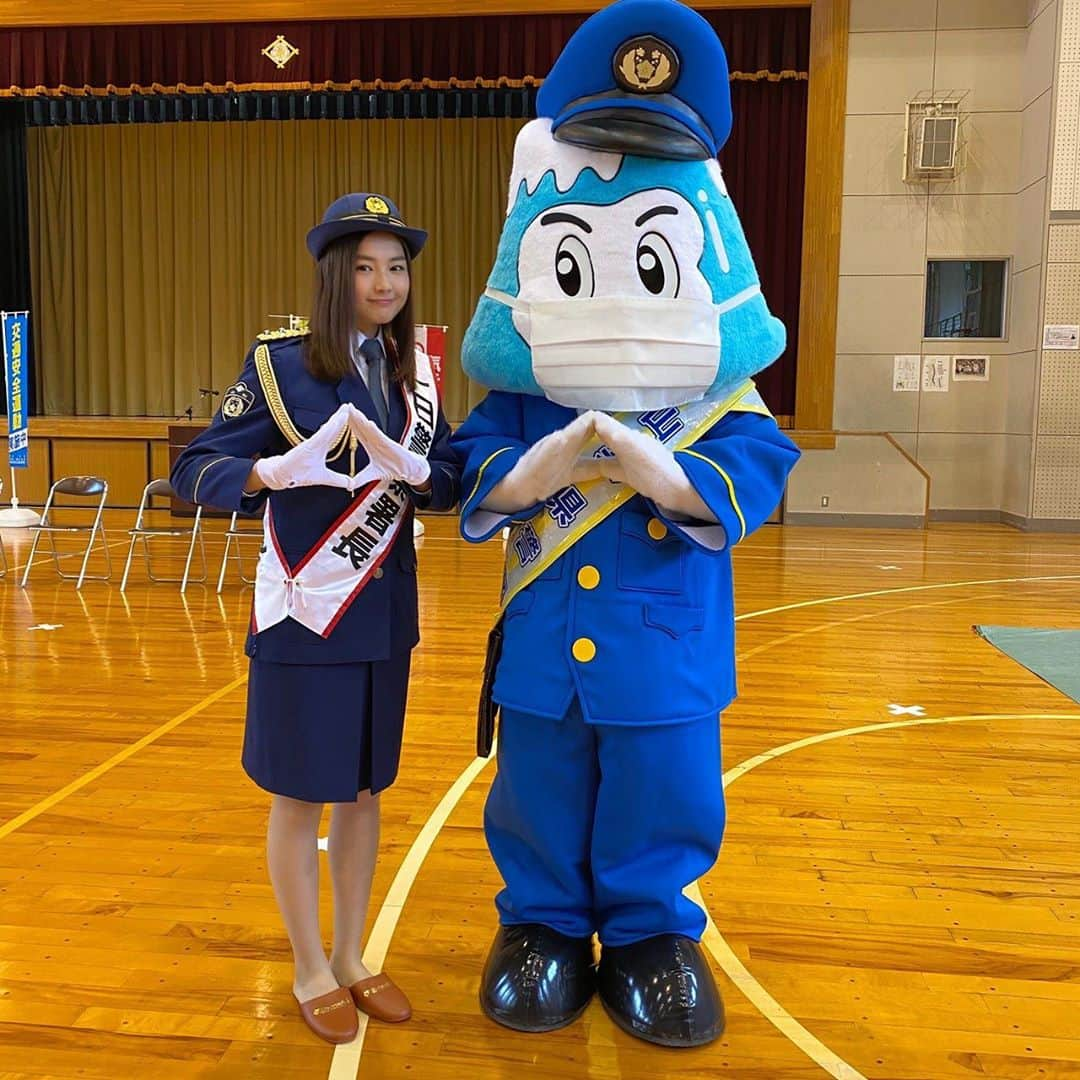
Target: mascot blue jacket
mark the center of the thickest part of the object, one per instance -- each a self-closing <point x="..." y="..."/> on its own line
<point x="625" y="449"/>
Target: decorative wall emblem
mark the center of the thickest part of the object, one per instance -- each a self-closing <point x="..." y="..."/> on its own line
<point x="280" y="51"/>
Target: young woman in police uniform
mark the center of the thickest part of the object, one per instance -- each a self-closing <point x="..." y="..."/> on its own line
<point x="337" y="433"/>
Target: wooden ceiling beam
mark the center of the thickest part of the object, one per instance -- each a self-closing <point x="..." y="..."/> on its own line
<point x="18" y="13"/>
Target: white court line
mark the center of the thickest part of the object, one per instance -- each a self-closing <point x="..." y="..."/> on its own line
<point x="723" y="953"/>
<point x="902" y="589"/>
<point x="345" y="1064"/>
<point x="14" y="570"/>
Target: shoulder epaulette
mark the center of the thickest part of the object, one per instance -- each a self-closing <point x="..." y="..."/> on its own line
<point x="281" y="333"/>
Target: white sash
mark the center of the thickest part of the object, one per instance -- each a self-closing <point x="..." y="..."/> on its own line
<point x="320" y="588"/>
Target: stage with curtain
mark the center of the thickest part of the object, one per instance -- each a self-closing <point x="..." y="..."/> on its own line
<point x="161" y="181"/>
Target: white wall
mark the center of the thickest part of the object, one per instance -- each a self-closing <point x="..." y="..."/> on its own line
<point x="976" y="440"/>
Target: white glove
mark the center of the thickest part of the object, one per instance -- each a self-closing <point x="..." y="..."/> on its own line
<point x="305" y="465"/>
<point x="546" y="467"/>
<point x="650" y="468"/>
<point x="389" y="459"/>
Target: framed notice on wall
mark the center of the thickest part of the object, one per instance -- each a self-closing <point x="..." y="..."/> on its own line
<point x="1061" y="337"/>
<point x="971" y="369"/>
<point x="935" y="375"/>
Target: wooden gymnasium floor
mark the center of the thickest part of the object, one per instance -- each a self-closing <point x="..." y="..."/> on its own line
<point x="898" y="895"/>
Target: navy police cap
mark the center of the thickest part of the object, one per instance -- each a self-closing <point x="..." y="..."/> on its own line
<point x="362" y="213"/>
<point x="645" y="77"/>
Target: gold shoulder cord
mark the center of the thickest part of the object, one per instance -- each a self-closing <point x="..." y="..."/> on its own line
<point x="272" y="393"/>
<point x="268" y="382"/>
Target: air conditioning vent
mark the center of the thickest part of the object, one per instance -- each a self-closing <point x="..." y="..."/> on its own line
<point x="933" y="139"/>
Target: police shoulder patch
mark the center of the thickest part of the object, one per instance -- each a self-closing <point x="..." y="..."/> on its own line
<point x="237" y="400"/>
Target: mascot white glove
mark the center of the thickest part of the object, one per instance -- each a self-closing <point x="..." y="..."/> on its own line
<point x="546" y="467"/>
<point x="389" y="459"/>
<point x="650" y="468"/>
<point x="305" y="465"/>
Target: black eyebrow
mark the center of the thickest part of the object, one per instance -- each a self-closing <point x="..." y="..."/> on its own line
<point x="569" y="219"/>
<point x="656" y="210"/>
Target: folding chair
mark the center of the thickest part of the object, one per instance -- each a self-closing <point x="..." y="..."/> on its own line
<point x="162" y="489"/>
<point x="83" y="487"/>
<point x="233" y="535"/>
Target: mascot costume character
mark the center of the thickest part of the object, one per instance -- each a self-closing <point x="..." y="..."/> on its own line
<point x="625" y="446"/>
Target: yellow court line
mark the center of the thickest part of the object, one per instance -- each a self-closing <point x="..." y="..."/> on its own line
<point x="902" y="589"/>
<point x="345" y="1064"/>
<point x="765" y="1003"/>
<point x="723" y="953"/>
<point x="129" y="751"/>
<point x="786" y="639"/>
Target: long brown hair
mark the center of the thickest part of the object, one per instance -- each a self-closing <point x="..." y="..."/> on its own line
<point x="333" y="319"/>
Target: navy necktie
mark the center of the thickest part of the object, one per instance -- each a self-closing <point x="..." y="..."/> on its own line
<point x="372" y="351"/>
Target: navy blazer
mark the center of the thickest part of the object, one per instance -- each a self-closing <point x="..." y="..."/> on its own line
<point x="214" y="468"/>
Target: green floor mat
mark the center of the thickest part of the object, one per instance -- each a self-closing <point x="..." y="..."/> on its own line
<point x="1053" y="655"/>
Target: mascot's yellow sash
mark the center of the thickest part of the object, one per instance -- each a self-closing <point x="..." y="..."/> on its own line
<point x="569" y="514"/>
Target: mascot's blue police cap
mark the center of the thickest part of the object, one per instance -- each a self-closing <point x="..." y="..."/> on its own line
<point x="645" y="77"/>
<point x="362" y="213"/>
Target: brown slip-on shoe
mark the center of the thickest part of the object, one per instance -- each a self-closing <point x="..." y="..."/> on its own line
<point x="381" y="999"/>
<point x="332" y="1016"/>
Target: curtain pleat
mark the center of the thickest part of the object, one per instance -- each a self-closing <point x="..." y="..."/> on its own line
<point x="392" y="53"/>
<point x="160" y="251"/>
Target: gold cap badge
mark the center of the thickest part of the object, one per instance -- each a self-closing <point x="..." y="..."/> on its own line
<point x="646" y="65"/>
<point x="375" y="205"/>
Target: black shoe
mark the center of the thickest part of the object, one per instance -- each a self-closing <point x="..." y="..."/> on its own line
<point x="537" y="979"/>
<point x="662" y="991"/>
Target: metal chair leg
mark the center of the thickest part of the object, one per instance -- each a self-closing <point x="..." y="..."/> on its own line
<point x="127" y="565"/>
<point x="30" y="560"/>
<point x="224" y="563"/>
<point x="97" y="529"/>
<point x="195" y="533"/>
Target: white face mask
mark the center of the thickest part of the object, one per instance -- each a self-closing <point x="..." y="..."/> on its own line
<point x="622" y="354"/>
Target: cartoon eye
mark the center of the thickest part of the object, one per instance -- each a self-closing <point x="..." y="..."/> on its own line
<point x="657" y="266"/>
<point x="574" y="268"/>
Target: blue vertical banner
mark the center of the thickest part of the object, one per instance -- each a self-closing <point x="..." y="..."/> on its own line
<point x="16" y="326"/>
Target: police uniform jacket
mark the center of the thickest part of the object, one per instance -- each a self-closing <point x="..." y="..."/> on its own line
<point x="637" y="618"/>
<point x="213" y="469"/>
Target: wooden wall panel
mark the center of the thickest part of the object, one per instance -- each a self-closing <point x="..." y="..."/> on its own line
<point x="149" y="12"/>
<point x="159" y="459"/>
<point x="122" y="462"/>
<point x="821" y="215"/>
<point x="33" y="481"/>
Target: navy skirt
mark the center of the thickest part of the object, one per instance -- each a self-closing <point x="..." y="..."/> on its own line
<point x="325" y="732"/>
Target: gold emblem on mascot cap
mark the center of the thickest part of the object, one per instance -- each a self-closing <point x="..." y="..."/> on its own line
<point x="646" y="65"/>
<point x="375" y="205"/>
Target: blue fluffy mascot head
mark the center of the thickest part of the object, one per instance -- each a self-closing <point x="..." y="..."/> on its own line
<point x="623" y="279"/>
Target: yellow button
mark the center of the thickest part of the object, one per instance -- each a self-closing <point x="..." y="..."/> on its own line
<point x="588" y="577"/>
<point x="657" y="529"/>
<point x="584" y="650"/>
